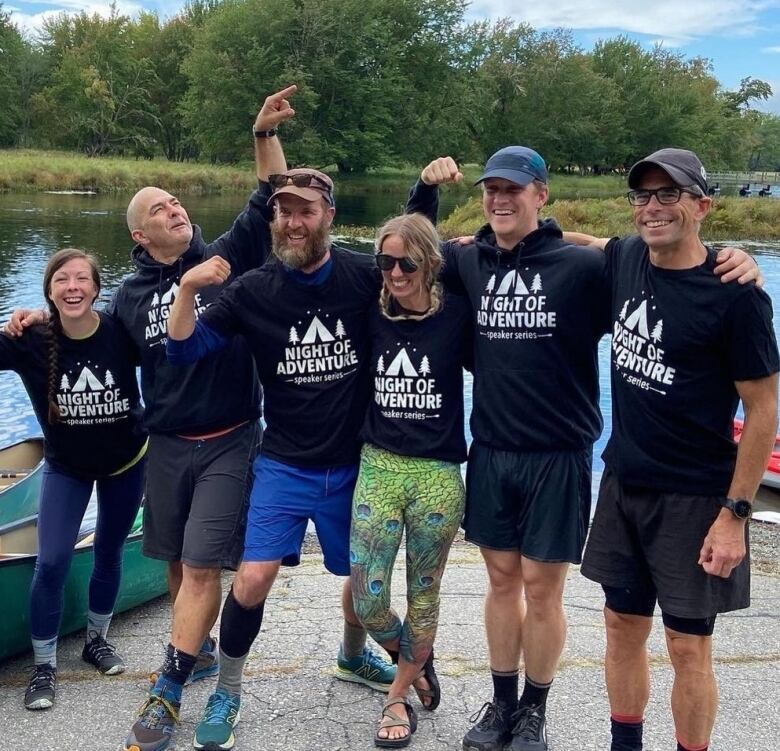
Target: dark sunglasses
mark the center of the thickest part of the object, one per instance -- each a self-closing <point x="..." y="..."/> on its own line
<point x="387" y="263"/>
<point x="304" y="180"/>
<point x="664" y="196"/>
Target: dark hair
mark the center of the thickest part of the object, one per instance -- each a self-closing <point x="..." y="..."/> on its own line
<point x="54" y="326"/>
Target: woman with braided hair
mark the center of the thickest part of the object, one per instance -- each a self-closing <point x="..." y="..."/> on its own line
<point x="79" y="371"/>
<point x="409" y="477"/>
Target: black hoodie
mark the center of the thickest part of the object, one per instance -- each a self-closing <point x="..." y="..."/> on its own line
<point x="222" y="389"/>
<point x="539" y="312"/>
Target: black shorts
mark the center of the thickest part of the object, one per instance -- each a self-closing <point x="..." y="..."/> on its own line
<point x="197" y="496"/>
<point x="645" y="539"/>
<point x="535" y="502"/>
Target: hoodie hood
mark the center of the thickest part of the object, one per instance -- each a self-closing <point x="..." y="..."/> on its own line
<point x="534" y="242"/>
<point x="195" y="253"/>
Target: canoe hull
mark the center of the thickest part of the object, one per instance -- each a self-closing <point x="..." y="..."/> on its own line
<point x="143" y="579"/>
<point x="19" y="500"/>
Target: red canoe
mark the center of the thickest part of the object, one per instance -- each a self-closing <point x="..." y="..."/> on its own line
<point x="771" y="477"/>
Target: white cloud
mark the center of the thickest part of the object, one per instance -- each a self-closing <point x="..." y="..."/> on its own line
<point x="771" y="50"/>
<point x="32" y="22"/>
<point x="664" y="18"/>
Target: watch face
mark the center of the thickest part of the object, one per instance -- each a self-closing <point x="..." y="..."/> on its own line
<point x="742" y="509"/>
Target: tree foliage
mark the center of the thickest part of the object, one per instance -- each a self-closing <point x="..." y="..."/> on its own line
<point x="380" y="82"/>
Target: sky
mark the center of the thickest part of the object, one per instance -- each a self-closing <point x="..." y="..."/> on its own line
<point x="740" y="37"/>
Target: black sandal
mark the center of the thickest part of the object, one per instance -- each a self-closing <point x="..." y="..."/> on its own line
<point x="434" y="692"/>
<point x="396" y="722"/>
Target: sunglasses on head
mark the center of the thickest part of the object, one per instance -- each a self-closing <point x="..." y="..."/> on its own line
<point x="387" y="263"/>
<point x="303" y="180"/>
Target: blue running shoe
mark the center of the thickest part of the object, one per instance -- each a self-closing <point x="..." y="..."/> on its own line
<point x="156" y="722"/>
<point x="367" y="668"/>
<point x="215" y="730"/>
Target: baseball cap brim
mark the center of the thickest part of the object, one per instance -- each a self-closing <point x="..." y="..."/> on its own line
<point x="308" y="194"/>
<point x="679" y="177"/>
<point x="515" y="176"/>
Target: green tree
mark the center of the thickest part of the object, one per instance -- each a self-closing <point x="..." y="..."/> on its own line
<point x="12" y="58"/>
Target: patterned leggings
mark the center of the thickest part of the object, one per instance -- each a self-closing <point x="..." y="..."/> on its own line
<point x="425" y="496"/>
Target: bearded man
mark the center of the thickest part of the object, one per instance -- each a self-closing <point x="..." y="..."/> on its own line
<point x="304" y="317"/>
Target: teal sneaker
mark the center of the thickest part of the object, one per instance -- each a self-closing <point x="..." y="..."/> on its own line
<point x="215" y="730"/>
<point x="367" y="668"/>
<point x="154" y="727"/>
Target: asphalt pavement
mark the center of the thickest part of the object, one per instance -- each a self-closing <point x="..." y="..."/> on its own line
<point x="293" y="702"/>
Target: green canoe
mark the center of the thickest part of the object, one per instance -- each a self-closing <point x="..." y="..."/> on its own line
<point x="143" y="579"/>
<point x="21" y="470"/>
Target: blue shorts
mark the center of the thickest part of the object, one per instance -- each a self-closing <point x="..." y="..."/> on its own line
<point x="283" y="500"/>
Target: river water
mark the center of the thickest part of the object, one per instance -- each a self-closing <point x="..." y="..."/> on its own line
<point x="32" y="226"/>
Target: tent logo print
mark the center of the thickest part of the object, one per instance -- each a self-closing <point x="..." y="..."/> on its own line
<point x="401" y="364"/>
<point x="87" y="381"/>
<point x="317" y="332"/>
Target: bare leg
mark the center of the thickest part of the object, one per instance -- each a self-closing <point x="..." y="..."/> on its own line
<point x="196" y="607"/>
<point x="626" y="666"/>
<point x="504" y="608"/>
<point x="694" y="693"/>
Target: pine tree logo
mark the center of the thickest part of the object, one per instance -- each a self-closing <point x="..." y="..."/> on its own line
<point x="64" y="383"/>
<point x="294" y="338"/>
<point x="155" y="300"/>
<point x="380" y="364"/>
<point x="624" y="311"/>
<point x="109" y="379"/>
<point x="425" y="366"/>
<point x="491" y="283"/>
<point x="658" y="331"/>
<point x="340" y="332"/>
<point x="536" y="284"/>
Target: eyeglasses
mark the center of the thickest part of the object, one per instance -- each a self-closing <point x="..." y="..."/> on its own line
<point x="664" y="196"/>
<point x="387" y="263"/>
<point x="302" y="180"/>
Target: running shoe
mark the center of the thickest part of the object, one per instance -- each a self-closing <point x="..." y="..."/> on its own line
<point x="154" y="727"/>
<point x="206" y="665"/>
<point x="529" y="732"/>
<point x="40" y="691"/>
<point x="491" y="730"/>
<point x="367" y="668"/>
<point x="98" y="652"/>
<point x="215" y="730"/>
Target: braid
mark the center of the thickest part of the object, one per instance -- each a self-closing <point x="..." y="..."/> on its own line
<point x="53" y="331"/>
<point x="386" y="299"/>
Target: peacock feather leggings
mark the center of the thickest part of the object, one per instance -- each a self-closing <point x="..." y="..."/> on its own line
<point x="394" y="493"/>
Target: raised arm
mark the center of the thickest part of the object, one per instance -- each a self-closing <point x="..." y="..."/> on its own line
<point x="724" y="545"/>
<point x="269" y="155"/>
<point x="424" y="195"/>
<point x="181" y="321"/>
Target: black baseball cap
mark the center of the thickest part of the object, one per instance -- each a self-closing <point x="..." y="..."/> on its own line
<point x="518" y="164"/>
<point x="683" y="166"/>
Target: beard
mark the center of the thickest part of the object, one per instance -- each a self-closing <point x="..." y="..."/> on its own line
<point x="301" y="256"/>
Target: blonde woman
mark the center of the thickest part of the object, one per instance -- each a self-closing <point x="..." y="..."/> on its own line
<point x="409" y="476"/>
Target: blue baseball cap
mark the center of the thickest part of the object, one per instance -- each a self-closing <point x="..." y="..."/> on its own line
<point x="518" y="164"/>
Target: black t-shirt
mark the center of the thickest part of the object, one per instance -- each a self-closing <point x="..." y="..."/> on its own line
<point x="417" y="374"/>
<point x="538" y="314"/>
<point x="680" y="339"/>
<point x="100" y="426"/>
<point x="310" y="345"/>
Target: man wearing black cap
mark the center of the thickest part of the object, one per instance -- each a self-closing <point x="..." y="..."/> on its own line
<point x="671" y="520"/>
<point x="540" y="307"/>
<point x="304" y="315"/>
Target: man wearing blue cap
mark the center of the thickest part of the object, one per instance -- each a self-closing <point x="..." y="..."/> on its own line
<point x="540" y="307"/>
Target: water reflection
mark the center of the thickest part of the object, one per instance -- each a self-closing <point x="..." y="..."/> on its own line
<point x="34" y="226"/>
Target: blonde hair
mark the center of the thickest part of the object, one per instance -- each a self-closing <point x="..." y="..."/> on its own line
<point x="421" y="242"/>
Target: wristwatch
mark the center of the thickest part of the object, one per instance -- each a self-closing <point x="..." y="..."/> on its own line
<point x="264" y="133"/>
<point x="740" y="507"/>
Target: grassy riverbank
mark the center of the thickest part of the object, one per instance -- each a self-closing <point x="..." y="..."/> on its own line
<point x="730" y="219"/>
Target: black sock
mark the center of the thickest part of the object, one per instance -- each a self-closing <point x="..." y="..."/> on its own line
<point x="505" y="688"/>
<point x="534" y="694"/>
<point x="680" y="747"/>
<point x="393" y="655"/>
<point x="626" y="736"/>
<point x="239" y="626"/>
<point x="178" y="665"/>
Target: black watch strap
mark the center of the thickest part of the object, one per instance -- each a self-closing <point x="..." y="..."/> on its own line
<point x="742" y="508"/>
<point x="264" y="133"/>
